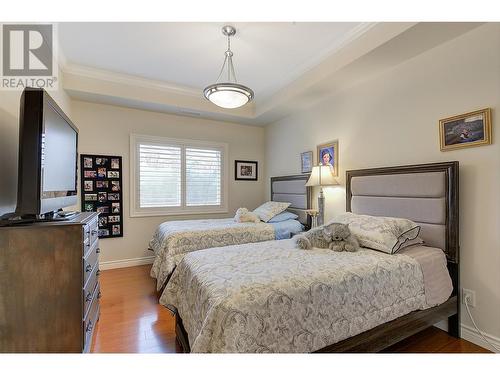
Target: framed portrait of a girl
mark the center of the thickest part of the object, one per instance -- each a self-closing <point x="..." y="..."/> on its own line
<point x="328" y="154"/>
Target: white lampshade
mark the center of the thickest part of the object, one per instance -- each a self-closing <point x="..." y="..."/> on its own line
<point x="322" y="175"/>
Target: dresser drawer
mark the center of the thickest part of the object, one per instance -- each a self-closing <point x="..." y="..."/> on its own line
<point x="89" y="289"/>
<point x="94" y="226"/>
<point x="89" y="261"/>
<point x="90" y="233"/>
<point x="86" y="237"/>
<point x="91" y="320"/>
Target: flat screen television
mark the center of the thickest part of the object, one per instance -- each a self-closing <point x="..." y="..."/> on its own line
<point x="48" y="156"/>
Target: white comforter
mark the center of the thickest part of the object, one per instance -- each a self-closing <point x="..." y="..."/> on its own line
<point x="173" y="239"/>
<point x="271" y="297"/>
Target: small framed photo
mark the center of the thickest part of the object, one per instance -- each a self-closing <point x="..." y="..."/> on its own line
<point x="102" y="210"/>
<point x="101" y="172"/>
<point x="113" y="174"/>
<point x="328" y="154"/>
<point x="101" y="161"/>
<point x="88" y="185"/>
<point x="103" y="233"/>
<point x="90" y="174"/>
<point x="115" y="163"/>
<point x="116" y="229"/>
<point x="306" y="162"/>
<point x="103" y="221"/>
<point x="91" y="197"/>
<point x="466" y="130"/>
<point x="115" y="208"/>
<point x="114" y="219"/>
<point x="102" y="196"/>
<point x="101" y="184"/>
<point x="89" y="207"/>
<point x="115" y="185"/>
<point x="245" y="170"/>
<point x="114" y="196"/>
<point x="87" y="162"/>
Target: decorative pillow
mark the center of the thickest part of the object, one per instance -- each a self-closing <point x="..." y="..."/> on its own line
<point x="270" y="209"/>
<point x="286" y="215"/>
<point x="387" y="234"/>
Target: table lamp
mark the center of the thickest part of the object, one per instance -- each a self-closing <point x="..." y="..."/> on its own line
<point x="321" y="175"/>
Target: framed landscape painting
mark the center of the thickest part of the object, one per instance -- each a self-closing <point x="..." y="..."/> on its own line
<point x="467" y="130"/>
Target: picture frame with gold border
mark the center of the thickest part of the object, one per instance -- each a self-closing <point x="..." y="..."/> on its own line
<point x="332" y="149"/>
<point x="470" y="129"/>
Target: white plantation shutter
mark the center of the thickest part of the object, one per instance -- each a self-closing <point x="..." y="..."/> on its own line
<point x="203" y="177"/>
<point x="175" y="176"/>
<point x="159" y="176"/>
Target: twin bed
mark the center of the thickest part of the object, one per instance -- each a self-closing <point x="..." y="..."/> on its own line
<point x="174" y="239"/>
<point x="271" y="297"/>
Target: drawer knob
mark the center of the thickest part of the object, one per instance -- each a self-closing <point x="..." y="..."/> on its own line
<point x="98" y="272"/>
<point x="99" y="295"/>
<point x="97" y="251"/>
<point x="94" y="232"/>
<point x="89" y="268"/>
<point x="89" y="297"/>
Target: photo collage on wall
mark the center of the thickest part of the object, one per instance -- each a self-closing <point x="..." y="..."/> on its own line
<point x="101" y="190"/>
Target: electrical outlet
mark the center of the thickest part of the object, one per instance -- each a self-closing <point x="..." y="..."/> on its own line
<point x="471" y="295"/>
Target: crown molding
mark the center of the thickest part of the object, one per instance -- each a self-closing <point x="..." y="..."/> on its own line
<point x="131" y="80"/>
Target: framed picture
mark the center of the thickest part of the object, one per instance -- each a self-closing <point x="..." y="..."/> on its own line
<point x="328" y="154"/>
<point x="467" y="130"/>
<point x="245" y="170"/>
<point x="306" y="162"/>
<point x="102" y="192"/>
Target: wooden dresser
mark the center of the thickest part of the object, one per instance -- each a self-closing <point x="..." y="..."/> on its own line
<point x="49" y="286"/>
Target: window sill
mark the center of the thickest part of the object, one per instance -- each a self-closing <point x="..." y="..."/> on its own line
<point x="184" y="212"/>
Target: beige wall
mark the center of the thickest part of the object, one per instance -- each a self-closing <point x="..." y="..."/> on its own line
<point x="106" y="129"/>
<point x="392" y="120"/>
<point x="9" y="140"/>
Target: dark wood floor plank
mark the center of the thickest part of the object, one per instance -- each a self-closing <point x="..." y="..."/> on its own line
<point x="132" y="321"/>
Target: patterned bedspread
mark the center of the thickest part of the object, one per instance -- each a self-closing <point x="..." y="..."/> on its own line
<point x="173" y="239"/>
<point x="271" y="297"/>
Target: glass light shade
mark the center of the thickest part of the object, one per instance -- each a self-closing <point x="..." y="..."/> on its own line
<point x="228" y="95"/>
<point x="322" y="175"/>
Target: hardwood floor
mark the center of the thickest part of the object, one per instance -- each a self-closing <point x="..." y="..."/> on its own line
<point x="132" y="321"/>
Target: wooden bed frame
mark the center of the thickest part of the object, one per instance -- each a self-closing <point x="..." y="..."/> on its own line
<point x="390" y="333"/>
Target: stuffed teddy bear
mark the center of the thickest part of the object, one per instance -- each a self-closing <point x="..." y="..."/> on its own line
<point x="245" y="216"/>
<point x="333" y="236"/>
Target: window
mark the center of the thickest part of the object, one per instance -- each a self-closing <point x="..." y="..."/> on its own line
<point x="177" y="176"/>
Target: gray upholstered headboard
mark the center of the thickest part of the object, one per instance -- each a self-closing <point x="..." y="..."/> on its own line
<point x="426" y="194"/>
<point x="292" y="189"/>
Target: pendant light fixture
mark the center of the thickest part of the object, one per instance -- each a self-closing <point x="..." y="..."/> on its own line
<point x="228" y="94"/>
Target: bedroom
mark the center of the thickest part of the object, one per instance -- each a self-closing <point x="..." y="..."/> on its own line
<point x="379" y="89"/>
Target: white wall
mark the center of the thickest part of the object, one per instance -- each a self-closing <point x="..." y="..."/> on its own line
<point x="392" y="119"/>
<point x="9" y="141"/>
<point x="106" y="129"/>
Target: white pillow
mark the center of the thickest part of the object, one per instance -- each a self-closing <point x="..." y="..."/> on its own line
<point x="270" y="209"/>
<point x="387" y="234"/>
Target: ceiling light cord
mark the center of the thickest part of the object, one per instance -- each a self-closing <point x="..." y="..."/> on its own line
<point x="466" y="300"/>
<point x="228" y="60"/>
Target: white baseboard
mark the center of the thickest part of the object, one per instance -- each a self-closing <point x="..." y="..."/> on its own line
<point x="122" y="263"/>
<point x="470" y="334"/>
